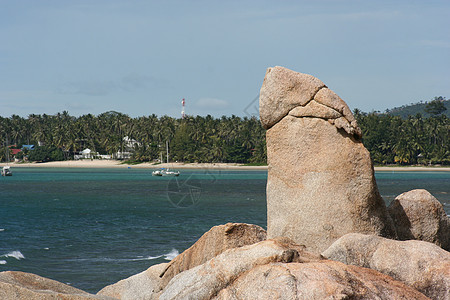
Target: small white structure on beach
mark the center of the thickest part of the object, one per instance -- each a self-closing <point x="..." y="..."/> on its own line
<point x="85" y="154"/>
<point x="130" y="143"/>
<point x="128" y="147"/>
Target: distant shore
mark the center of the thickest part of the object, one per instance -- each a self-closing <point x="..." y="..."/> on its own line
<point x="97" y="163"/>
<point x="86" y="163"/>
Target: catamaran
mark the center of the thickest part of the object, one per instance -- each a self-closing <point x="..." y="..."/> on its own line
<point x="164" y="171"/>
<point x="6" y="171"/>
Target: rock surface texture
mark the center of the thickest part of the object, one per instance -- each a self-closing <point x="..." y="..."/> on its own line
<point x="279" y="269"/>
<point x="321" y="182"/>
<point x="212" y="243"/>
<point x="421" y="265"/>
<point x="145" y="285"/>
<point x="19" y="285"/>
<point x="419" y="215"/>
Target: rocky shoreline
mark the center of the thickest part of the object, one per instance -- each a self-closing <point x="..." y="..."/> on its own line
<point x="329" y="234"/>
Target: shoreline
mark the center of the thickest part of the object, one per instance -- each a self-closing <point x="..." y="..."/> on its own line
<point x="218" y="166"/>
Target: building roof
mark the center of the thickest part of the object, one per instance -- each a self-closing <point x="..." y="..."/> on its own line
<point x="15" y="151"/>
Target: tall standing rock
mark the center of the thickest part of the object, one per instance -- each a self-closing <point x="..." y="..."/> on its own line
<point x="321" y="182"/>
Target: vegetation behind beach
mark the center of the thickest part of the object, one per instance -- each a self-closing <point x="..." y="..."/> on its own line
<point x="391" y="139"/>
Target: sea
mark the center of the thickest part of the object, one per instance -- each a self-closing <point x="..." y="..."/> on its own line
<point x="93" y="227"/>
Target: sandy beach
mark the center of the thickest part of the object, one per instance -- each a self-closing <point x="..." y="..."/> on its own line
<point x="118" y="164"/>
<point x="219" y="166"/>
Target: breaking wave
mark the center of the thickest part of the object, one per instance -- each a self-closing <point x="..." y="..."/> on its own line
<point x="171" y="255"/>
<point x="167" y="256"/>
<point x="15" y="254"/>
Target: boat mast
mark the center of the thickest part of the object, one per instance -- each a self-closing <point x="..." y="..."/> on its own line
<point x="7" y="150"/>
<point x="167" y="150"/>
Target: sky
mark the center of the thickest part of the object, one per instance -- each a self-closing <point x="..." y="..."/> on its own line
<point x="144" y="57"/>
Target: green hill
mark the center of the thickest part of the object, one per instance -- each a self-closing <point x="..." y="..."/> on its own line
<point x="416" y="108"/>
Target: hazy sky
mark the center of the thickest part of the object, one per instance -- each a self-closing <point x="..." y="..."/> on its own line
<point x="143" y="57"/>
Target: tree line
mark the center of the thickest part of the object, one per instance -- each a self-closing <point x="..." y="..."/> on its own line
<point x="390" y="139"/>
<point x="192" y="139"/>
<point x="414" y="140"/>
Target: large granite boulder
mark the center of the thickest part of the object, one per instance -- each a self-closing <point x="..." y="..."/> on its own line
<point x="279" y="269"/>
<point x="145" y="285"/>
<point x="421" y="265"/>
<point x="316" y="280"/>
<point x="418" y="215"/>
<point x="321" y="182"/>
<point x="19" y="285"/>
<point x="212" y="243"/>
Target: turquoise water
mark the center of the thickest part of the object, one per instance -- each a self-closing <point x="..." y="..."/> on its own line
<point x="92" y="227"/>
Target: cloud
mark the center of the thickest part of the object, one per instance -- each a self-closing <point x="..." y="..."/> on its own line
<point x="89" y="88"/>
<point x="77" y="106"/>
<point x="134" y="81"/>
<point x="128" y="83"/>
<point x="435" y="43"/>
<point x="211" y="103"/>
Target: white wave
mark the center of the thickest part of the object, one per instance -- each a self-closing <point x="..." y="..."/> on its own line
<point x="15" y="254"/>
<point x="2" y="229"/>
<point x="171" y="255"/>
<point x="2" y="262"/>
<point x="167" y="256"/>
<point x="115" y="260"/>
<point x="147" y="258"/>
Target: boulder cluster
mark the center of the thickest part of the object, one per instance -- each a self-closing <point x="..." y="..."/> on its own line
<point x="329" y="234"/>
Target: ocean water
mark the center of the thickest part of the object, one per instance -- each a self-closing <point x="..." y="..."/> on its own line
<point x="93" y="227"/>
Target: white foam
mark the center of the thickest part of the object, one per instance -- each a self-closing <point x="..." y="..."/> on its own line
<point x="147" y="258"/>
<point x="171" y="255"/>
<point x="2" y="229"/>
<point x="167" y="256"/>
<point x="2" y="262"/>
<point x="15" y="254"/>
<point x="153" y="257"/>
